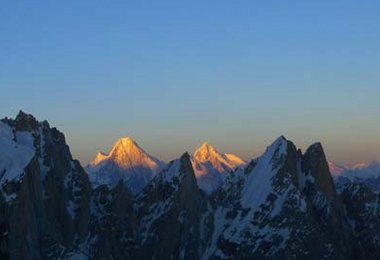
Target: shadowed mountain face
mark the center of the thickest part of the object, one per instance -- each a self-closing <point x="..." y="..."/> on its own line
<point x="282" y="205"/>
<point x="170" y="209"/>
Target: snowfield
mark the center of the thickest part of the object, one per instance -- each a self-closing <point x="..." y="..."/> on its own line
<point x="16" y="151"/>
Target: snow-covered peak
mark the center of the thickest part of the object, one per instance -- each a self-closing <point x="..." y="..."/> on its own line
<point x="126" y="153"/>
<point x="258" y="183"/>
<point x="274" y="153"/>
<point x="126" y="161"/>
<point x="207" y="153"/>
<point x="210" y="166"/>
<point x="125" y="144"/>
<point x="280" y="141"/>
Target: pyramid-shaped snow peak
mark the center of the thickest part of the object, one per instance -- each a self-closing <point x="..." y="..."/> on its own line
<point x="210" y="166"/>
<point x="126" y="161"/>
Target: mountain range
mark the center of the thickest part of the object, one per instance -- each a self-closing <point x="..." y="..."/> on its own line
<point x="128" y="162"/>
<point x="367" y="173"/>
<point x="127" y="204"/>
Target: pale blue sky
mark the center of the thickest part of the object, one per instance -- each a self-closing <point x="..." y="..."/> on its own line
<point x="172" y="74"/>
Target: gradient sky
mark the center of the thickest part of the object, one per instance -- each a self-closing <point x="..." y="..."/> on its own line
<point x="172" y="74"/>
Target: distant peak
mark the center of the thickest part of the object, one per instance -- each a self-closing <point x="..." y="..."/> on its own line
<point x="126" y="144"/>
<point x="208" y="159"/>
<point x="205" y="146"/>
<point x="127" y="154"/>
<point x="360" y="166"/>
<point x="205" y="151"/>
<point x="126" y="140"/>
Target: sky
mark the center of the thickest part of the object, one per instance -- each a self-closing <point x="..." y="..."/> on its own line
<point x="172" y="74"/>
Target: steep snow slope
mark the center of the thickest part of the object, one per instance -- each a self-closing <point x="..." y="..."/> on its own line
<point x="16" y="151"/>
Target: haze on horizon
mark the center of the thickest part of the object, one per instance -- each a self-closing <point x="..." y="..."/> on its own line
<point x="172" y="75"/>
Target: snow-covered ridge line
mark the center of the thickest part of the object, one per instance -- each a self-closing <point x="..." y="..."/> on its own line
<point x="358" y="172"/>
